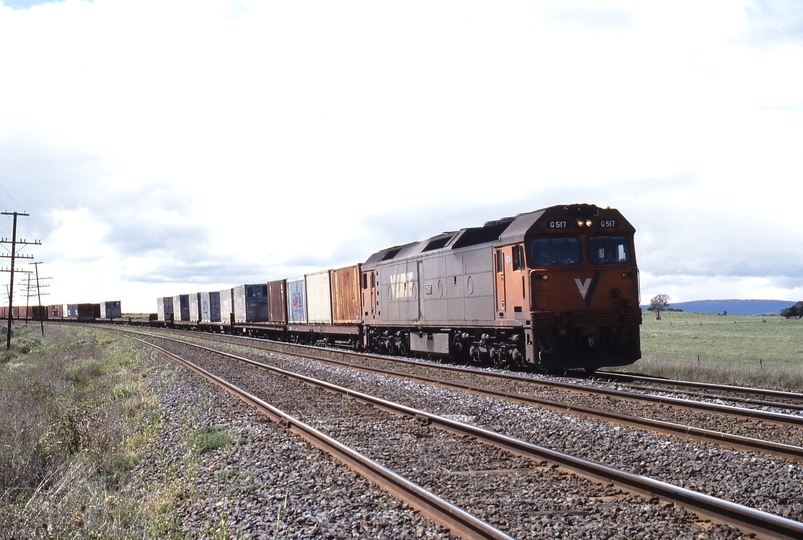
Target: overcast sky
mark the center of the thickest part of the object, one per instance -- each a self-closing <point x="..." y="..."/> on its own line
<point x="164" y="147"/>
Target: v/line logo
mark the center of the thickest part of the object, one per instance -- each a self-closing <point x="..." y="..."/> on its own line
<point x="588" y="286"/>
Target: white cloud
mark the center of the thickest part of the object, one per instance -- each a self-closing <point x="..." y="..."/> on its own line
<point x="197" y="141"/>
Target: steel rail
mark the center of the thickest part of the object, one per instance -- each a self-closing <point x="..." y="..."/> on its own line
<point x="456" y="519"/>
<point x="613" y="376"/>
<point x="751" y="519"/>
<point x="745" y="400"/>
<point x="780" y="418"/>
<point x="708" y="435"/>
<point x="708" y="386"/>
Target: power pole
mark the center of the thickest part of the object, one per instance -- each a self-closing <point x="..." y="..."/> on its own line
<point x="13" y="258"/>
<point x="39" y="296"/>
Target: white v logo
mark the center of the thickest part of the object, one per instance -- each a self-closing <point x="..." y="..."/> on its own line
<point x="583" y="286"/>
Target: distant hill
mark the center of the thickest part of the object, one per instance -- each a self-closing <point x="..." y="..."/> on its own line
<point x="734" y="307"/>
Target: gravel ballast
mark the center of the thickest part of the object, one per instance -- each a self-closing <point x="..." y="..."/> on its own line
<point x="268" y="483"/>
<point x="527" y="500"/>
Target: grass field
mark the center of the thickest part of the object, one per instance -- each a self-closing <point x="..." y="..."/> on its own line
<point x="753" y="350"/>
<point x="76" y="417"/>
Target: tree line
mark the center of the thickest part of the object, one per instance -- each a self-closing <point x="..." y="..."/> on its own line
<point x="660" y="303"/>
<point x="793" y="312"/>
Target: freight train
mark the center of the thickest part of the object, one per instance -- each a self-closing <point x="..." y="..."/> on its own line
<point x="103" y="312"/>
<point x="554" y="288"/>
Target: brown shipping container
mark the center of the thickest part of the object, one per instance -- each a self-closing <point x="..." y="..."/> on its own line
<point x="277" y="305"/>
<point x="345" y="287"/>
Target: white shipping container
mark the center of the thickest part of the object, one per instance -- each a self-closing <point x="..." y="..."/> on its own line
<point x="226" y="306"/>
<point x="319" y="298"/>
<point x="296" y="300"/>
<point x="195" y="307"/>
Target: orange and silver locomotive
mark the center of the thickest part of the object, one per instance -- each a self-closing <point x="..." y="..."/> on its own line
<point x="553" y="288"/>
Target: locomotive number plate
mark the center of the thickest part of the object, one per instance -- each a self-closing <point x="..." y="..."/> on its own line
<point x="607" y="223"/>
<point x="558" y="224"/>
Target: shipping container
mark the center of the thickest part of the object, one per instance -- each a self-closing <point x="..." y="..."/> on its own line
<point x="319" y="298"/>
<point x="86" y="312"/>
<point x="251" y="303"/>
<point x="346" y="299"/>
<point x="277" y="303"/>
<point x="164" y="308"/>
<point x="111" y="310"/>
<point x="296" y="291"/>
<point x="71" y="311"/>
<point x="195" y="307"/>
<point x="210" y="307"/>
<point x="227" y="306"/>
<point x="55" y="311"/>
<point x="181" y="307"/>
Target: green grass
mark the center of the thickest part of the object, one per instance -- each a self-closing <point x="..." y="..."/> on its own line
<point x="75" y="419"/>
<point x="210" y="438"/>
<point x="755" y="350"/>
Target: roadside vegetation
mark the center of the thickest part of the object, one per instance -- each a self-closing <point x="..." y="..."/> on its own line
<point x="76" y="417"/>
<point x="753" y="350"/>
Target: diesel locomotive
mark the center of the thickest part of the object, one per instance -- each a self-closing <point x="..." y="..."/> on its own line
<point x="554" y="288"/>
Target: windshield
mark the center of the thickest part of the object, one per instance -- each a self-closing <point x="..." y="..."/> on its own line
<point x="608" y="249"/>
<point x="552" y="250"/>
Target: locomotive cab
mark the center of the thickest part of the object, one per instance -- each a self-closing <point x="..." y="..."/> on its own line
<point x="581" y="287"/>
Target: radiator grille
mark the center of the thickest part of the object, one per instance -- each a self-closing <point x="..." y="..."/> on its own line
<point x="585" y="318"/>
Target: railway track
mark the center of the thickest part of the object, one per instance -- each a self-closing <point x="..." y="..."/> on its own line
<point x="432" y="506"/>
<point x="721" y="510"/>
<point x="745" y="428"/>
<point x="760" y="397"/>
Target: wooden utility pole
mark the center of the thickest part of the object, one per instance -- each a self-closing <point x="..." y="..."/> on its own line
<point x="13" y="258"/>
<point x="39" y="297"/>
